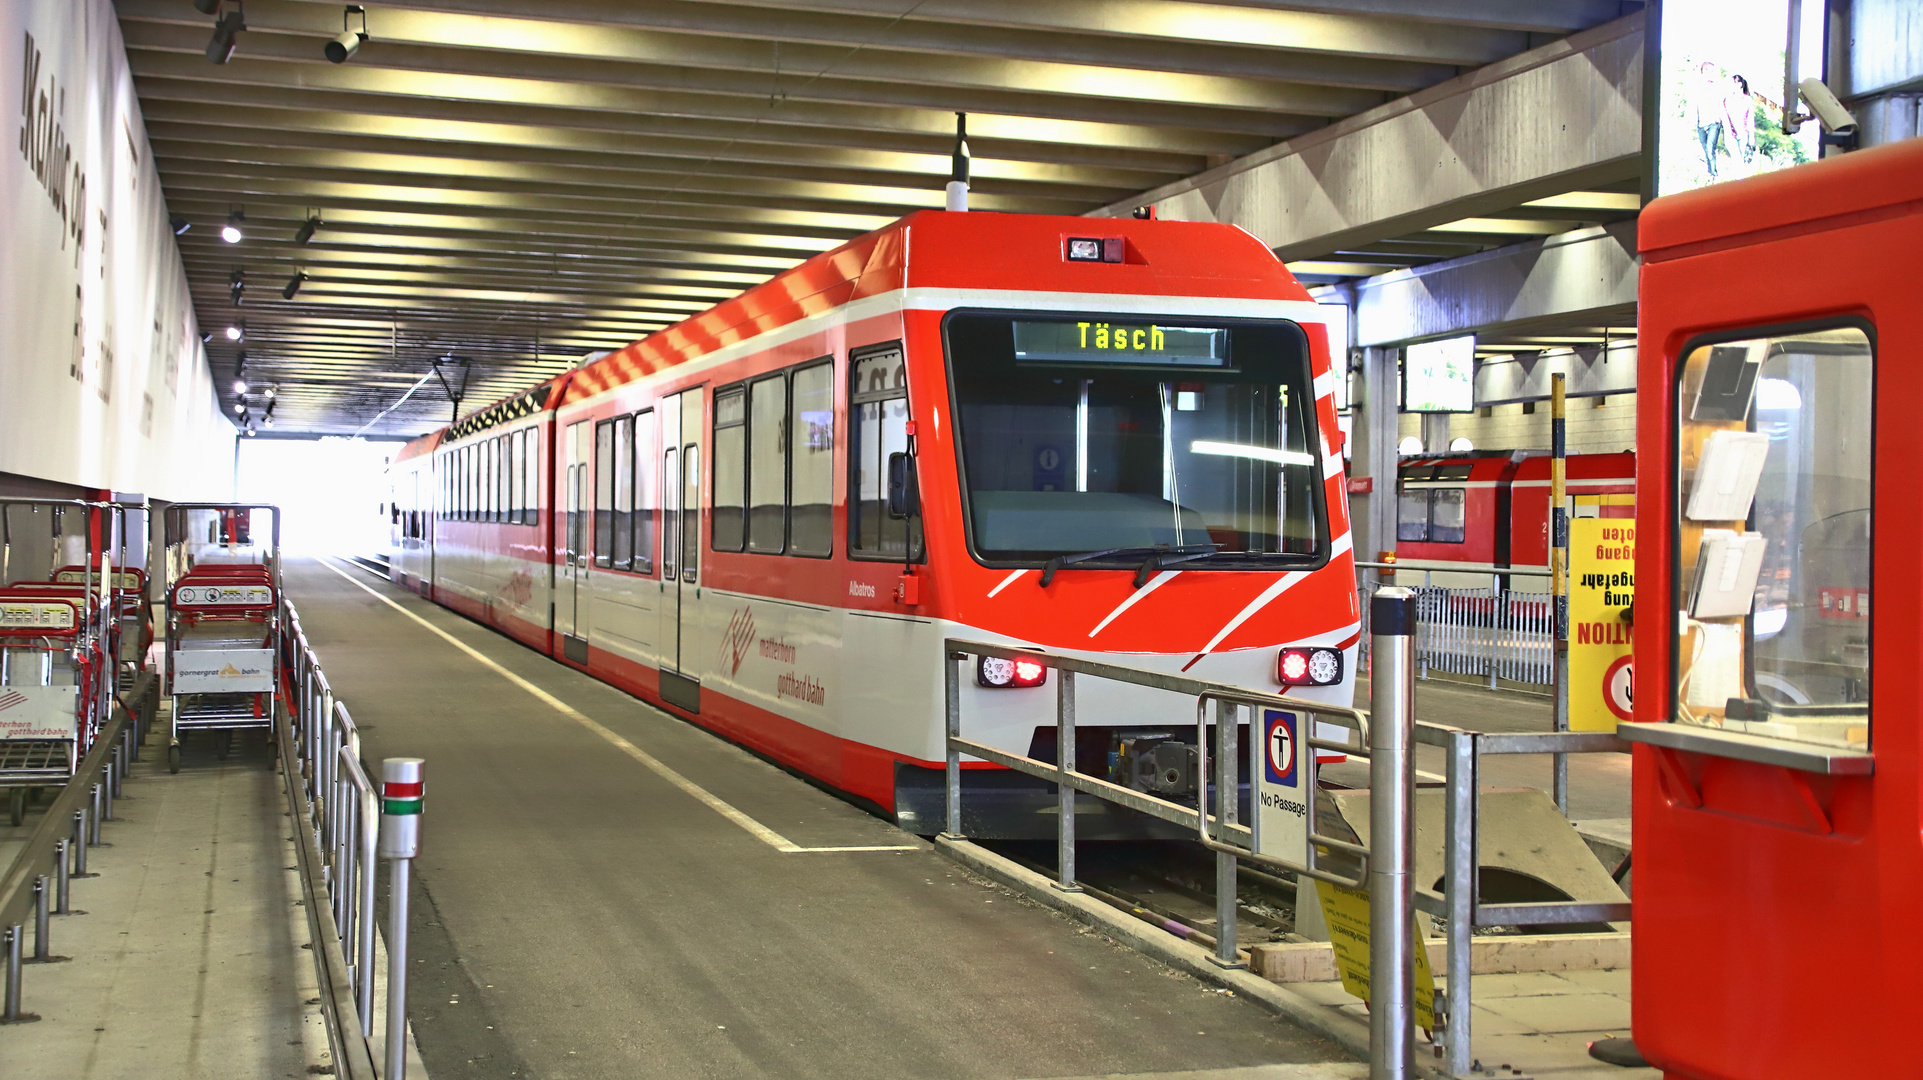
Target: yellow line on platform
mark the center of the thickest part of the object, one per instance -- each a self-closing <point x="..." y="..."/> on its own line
<point x="714" y="802"/>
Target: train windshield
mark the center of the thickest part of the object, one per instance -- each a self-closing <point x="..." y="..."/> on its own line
<point x="1102" y="440"/>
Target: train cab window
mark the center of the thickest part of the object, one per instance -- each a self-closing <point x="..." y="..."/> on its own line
<point x="1105" y="440"/>
<point x="603" y="493"/>
<point x="1412" y="504"/>
<point x="646" y="499"/>
<point x="1774" y="513"/>
<point x="811" y="461"/>
<point x="730" y="469"/>
<point x="768" y="464"/>
<point x="878" y="429"/>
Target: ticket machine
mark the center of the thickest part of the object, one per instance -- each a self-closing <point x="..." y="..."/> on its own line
<point x="1778" y="814"/>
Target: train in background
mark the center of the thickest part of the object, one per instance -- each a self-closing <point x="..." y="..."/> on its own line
<point x="1105" y="438"/>
<point x="1491" y="507"/>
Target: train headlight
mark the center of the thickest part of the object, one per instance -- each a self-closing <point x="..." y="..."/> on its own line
<point x="1308" y="667"/>
<point x="999" y="674"/>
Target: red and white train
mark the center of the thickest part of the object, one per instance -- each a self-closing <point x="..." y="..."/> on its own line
<point x="1106" y="438"/>
<point x="1492" y="507"/>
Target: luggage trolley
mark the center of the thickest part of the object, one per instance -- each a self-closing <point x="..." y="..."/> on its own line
<point x="56" y="681"/>
<point x="222" y="627"/>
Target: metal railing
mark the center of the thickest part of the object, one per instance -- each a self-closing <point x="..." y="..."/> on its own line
<point x="330" y="792"/>
<point x="1385" y="739"/>
<point x="1496" y="632"/>
<point x="39" y="878"/>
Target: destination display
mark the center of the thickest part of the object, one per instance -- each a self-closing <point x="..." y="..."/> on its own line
<point x="1096" y="341"/>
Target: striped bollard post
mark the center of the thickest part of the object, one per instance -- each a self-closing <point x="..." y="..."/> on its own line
<point x="400" y="841"/>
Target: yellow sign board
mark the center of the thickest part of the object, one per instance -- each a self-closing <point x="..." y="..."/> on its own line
<point x="1602" y="581"/>
<point x="1346" y="913"/>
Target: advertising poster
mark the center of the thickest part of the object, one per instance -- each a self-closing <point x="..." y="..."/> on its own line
<point x="1602" y="582"/>
<point x="1439" y="376"/>
<point x="1721" y="90"/>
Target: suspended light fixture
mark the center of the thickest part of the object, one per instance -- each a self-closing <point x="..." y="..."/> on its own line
<point x="206" y="7"/>
<point x="180" y="224"/>
<point x="237" y="331"/>
<point x="293" y="285"/>
<point x="220" y="48"/>
<point x="342" y="48"/>
<point x="306" y="230"/>
<point x="231" y="231"/>
<point x="236" y="285"/>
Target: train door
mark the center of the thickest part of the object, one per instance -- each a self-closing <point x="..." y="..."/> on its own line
<point x="680" y="545"/>
<point x="572" y="571"/>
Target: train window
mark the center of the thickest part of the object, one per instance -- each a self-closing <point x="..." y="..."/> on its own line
<point x="730" y="468"/>
<point x="768" y="464"/>
<point x="1774" y="503"/>
<point x="622" y="553"/>
<point x="811" y="458"/>
<point x="504" y="479"/>
<point x="1412" y="514"/>
<point x="645" y="501"/>
<point x="603" y="493"/>
<point x="1446" y="515"/>
<point x="878" y="427"/>
<point x="670" y="510"/>
<point x="531" y="478"/>
<point x="1168" y="439"/>
<point x="517" y="478"/>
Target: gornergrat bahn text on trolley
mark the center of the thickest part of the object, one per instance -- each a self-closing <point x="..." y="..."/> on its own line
<point x="1095" y="437"/>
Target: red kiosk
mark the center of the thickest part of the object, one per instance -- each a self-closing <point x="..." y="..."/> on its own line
<point x="1778" y="828"/>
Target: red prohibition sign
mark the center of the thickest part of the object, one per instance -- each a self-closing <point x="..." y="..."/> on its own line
<point x="1618" y="683"/>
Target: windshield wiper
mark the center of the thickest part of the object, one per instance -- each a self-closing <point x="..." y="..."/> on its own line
<point x="1154" y="554"/>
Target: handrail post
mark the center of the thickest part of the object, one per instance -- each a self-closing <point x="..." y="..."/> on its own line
<point x="1227" y="785"/>
<point x="951" y="670"/>
<point x="1460" y="889"/>
<point x="42" y="903"/>
<point x="1392" y="618"/>
<point x="11" y="1013"/>
<point x="1065" y="793"/>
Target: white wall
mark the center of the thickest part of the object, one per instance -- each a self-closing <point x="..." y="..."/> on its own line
<point x="103" y="380"/>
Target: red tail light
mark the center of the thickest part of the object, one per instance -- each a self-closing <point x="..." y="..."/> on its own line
<point x="999" y="674"/>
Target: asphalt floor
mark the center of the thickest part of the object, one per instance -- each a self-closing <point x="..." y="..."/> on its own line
<point x="586" y="907"/>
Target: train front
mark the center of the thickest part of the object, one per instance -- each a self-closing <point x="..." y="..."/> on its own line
<point x="1133" y="458"/>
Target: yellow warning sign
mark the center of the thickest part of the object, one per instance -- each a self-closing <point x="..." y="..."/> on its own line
<point x="1346" y="912"/>
<point x="1602" y="581"/>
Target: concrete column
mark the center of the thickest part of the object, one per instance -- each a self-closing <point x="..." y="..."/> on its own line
<point x="1435" y="432"/>
<point x="1375" y="452"/>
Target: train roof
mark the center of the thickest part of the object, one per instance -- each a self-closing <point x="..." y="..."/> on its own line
<point x="1859" y="183"/>
<point x="976" y="250"/>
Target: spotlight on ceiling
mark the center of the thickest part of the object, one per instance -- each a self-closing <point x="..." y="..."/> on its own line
<point x="206" y="7"/>
<point x="342" y="48"/>
<point x="237" y="331"/>
<point x="206" y="336"/>
<point x="236" y="285"/>
<point x="220" y="48"/>
<point x="240" y="409"/>
<point x="240" y="386"/>
<point x="230" y="232"/>
<point x="306" y="230"/>
<point x="180" y="224"/>
<point x="293" y="285"/>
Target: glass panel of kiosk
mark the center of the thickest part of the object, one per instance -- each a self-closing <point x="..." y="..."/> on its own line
<point x="1773" y="512"/>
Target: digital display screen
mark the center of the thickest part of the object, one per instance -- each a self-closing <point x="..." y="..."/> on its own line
<point x="1721" y="90"/>
<point x="1439" y="376"/>
<point x="1097" y="341"/>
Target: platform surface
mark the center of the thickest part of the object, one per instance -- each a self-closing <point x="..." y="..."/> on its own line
<point x="578" y="914"/>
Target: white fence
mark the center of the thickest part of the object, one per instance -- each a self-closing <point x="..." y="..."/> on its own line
<point x="1490" y="633"/>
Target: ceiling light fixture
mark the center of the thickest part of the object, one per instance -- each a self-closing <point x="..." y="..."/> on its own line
<point x="236" y="285"/>
<point x="237" y="331"/>
<point x="180" y="224"/>
<point x="220" y="48"/>
<point x="206" y="7"/>
<point x="231" y="231"/>
<point x="293" y="285"/>
<point x="306" y="230"/>
<point x="342" y="48"/>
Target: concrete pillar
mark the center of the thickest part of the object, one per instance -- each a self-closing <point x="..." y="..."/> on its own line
<point x="1375" y="452"/>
